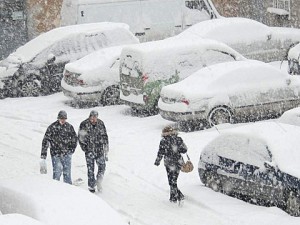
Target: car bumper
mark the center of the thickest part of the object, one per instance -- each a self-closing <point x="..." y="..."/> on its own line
<point x="83" y="96"/>
<point x="182" y="116"/>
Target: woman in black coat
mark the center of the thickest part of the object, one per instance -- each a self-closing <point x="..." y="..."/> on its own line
<point x="170" y="148"/>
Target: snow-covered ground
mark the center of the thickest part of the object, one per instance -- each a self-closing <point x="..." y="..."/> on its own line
<point x="133" y="186"/>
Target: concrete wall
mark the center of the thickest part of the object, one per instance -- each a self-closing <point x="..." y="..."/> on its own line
<point x="257" y="10"/>
<point x="42" y="15"/>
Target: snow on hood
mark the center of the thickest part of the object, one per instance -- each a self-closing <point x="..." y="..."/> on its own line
<point x="294" y="53"/>
<point x="282" y="141"/>
<point x="228" y="30"/>
<point x="219" y="79"/>
<point x="28" y="51"/>
<point x="54" y="202"/>
<point x="291" y="117"/>
<point x="96" y="67"/>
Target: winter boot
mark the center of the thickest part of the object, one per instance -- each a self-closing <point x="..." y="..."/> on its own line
<point x="92" y="189"/>
<point x="180" y="196"/>
<point x="173" y="194"/>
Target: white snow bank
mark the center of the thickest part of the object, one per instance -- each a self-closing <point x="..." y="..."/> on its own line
<point x="18" y="219"/>
<point x="291" y="117"/>
<point x="54" y="202"/>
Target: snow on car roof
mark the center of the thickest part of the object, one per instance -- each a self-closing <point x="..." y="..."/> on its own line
<point x="294" y="52"/>
<point x="29" y="50"/>
<point x="17" y="219"/>
<point x="228" y="30"/>
<point x="291" y="117"/>
<point x="170" y="46"/>
<point x="214" y="79"/>
<point x="281" y="139"/>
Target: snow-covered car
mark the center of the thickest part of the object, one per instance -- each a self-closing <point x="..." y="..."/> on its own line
<point x="291" y="116"/>
<point x="293" y="60"/>
<point x="230" y="92"/>
<point x="147" y="67"/>
<point x="258" y="162"/>
<point x="252" y="39"/>
<point x="36" y="68"/>
<point x="94" y="78"/>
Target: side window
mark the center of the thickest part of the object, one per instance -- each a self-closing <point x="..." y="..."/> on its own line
<point x="187" y="63"/>
<point x="195" y="4"/>
<point x="211" y="57"/>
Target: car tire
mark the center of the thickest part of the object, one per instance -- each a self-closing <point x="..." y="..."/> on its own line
<point x="227" y="187"/>
<point x="214" y="183"/>
<point x="293" y="204"/>
<point x="30" y="88"/>
<point x="219" y="115"/>
<point x="111" y="96"/>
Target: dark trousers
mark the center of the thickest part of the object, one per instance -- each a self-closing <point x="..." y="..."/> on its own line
<point x="91" y="159"/>
<point x="175" y="193"/>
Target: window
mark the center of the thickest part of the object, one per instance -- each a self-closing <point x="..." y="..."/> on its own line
<point x="281" y="8"/>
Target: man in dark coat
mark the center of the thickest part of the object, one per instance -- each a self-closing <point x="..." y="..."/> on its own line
<point x="171" y="147"/>
<point x="63" y="141"/>
<point x="93" y="140"/>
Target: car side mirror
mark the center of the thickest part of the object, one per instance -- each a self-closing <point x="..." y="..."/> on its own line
<point x="51" y="58"/>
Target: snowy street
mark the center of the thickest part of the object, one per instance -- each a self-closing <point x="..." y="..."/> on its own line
<point x="133" y="186"/>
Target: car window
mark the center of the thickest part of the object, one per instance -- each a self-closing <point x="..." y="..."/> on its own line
<point x="211" y="57"/>
<point x="245" y="150"/>
<point x="188" y="62"/>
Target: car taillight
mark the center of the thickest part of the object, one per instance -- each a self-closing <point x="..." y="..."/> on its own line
<point x="145" y="77"/>
<point x="67" y="73"/>
<point x="145" y="98"/>
<point x="185" y="101"/>
<point x="81" y="82"/>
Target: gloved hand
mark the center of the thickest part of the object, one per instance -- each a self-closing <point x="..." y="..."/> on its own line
<point x="43" y="166"/>
<point x="156" y="163"/>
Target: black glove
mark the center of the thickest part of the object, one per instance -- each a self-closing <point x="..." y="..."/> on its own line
<point x="156" y="163"/>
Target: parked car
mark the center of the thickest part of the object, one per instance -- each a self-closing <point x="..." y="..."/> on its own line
<point x="293" y="60"/>
<point x="260" y="161"/>
<point x="147" y="67"/>
<point x="291" y="117"/>
<point x="94" y="78"/>
<point x="36" y="68"/>
<point x="256" y="41"/>
<point x="231" y="92"/>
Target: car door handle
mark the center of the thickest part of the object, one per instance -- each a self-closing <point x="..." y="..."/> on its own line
<point x="178" y="26"/>
<point x="147" y="28"/>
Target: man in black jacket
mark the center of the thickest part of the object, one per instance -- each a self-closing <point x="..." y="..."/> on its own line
<point x="63" y="141"/>
<point x="171" y="147"/>
<point x="93" y="140"/>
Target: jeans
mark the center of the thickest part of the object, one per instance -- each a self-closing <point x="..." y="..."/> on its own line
<point x="62" y="164"/>
<point x="91" y="159"/>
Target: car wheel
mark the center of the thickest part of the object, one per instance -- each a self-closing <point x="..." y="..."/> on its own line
<point x="219" y="115"/>
<point x="30" y="88"/>
<point x="111" y="96"/>
<point x="293" y="204"/>
<point x="227" y="187"/>
<point x="214" y="183"/>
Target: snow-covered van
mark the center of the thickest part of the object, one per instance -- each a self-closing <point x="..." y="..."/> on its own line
<point x="148" y="19"/>
<point x="147" y="67"/>
<point x="36" y="68"/>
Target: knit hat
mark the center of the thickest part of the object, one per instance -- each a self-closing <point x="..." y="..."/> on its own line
<point x="168" y="130"/>
<point x="62" y="115"/>
<point x="93" y="113"/>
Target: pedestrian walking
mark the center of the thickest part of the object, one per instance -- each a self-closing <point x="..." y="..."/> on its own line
<point x="62" y="139"/>
<point x="170" y="148"/>
<point x="93" y="140"/>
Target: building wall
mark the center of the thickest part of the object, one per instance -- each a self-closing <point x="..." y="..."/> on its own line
<point x="42" y="15"/>
<point x="257" y="10"/>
